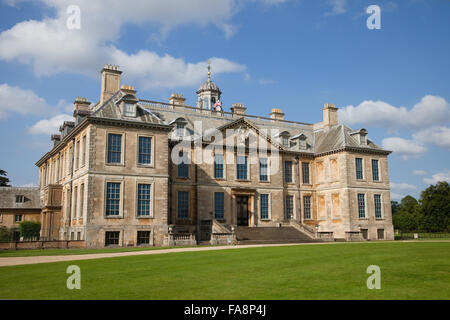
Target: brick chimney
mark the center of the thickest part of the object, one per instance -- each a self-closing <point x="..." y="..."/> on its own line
<point x="330" y="116"/>
<point x="110" y="81"/>
<point x="238" y="108"/>
<point x="277" y="114"/>
<point x="177" y="100"/>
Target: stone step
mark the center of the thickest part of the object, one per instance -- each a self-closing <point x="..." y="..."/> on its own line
<point x="271" y="235"/>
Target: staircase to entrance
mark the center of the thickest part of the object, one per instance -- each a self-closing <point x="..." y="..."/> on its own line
<point x="268" y="235"/>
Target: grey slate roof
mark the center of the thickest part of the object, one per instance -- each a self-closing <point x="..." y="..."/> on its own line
<point x="8" y="198"/>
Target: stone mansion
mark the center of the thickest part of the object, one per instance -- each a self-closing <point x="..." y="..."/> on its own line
<point x="127" y="172"/>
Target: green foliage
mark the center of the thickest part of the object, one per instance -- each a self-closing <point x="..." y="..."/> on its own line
<point x="29" y="229"/>
<point x="430" y="214"/>
<point x="5" y="234"/>
<point x="4" y="181"/>
<point x="435" y="205"/>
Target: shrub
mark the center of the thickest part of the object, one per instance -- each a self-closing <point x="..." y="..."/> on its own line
<point x="5" y="234"/>
<point x="30" y="229"/>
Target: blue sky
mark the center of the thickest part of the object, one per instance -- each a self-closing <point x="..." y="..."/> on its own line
<point x="291" y="54"/>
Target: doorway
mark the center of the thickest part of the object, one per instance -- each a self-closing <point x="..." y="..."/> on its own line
<point x="242" y="210"/>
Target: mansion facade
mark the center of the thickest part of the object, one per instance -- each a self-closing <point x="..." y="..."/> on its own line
<point x="129" y="172"/>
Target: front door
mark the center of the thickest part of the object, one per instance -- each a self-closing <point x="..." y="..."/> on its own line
<point x="242" y="210"/>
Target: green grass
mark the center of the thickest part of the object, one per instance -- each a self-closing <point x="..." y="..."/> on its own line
<point x="418" y="270"/>
<point x="66" y="252"/>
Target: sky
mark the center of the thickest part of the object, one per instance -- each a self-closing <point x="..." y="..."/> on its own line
<point x="291" y="54"/>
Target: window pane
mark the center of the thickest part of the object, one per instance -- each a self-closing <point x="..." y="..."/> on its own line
<point x="241" y="167"/>
<point x="307" y="207"/>
<point x="289" y="207"/>
<point x="143" y="237"/>
<point x="145" y="150"/>
<point x="183" y="204"/>
<point x="218" y="166"/>
<point x="143" y="198"/>
<point x="361" y="205"/>
<point x="377" y="200"/>
<point x="112" y="199"/>
<point x="359" y="169"/>
<point x="288" y="171"/>
<point x="264" y="206"/>
<point x="114" y="148"/>
<point x="305" y="172"/>
<point x="375" y="174"/>
<point x="263" y="172"/>
<point x="219" y="205"/>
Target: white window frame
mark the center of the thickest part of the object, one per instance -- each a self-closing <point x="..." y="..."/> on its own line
<point x="152" y="199"/>
<point x="122" y="148"/>
<point x="121" y="202"/>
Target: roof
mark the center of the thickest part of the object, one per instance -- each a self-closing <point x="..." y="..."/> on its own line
<point x="8" y="198"/>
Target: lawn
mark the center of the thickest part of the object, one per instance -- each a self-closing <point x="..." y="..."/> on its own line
<point x="418" y="270"/>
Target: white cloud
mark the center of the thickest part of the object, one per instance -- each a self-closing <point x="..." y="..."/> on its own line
<point x="402" y="186"/>
<point x="266" y="81"/>
<point x="441" y="176"/>
<point x="396" y="196"/>
<point x="406" y="148"/>
<point x="419" y="172"/>
<point x="21" y="101"/>
<point x="439" y="136"/>
<point x="430" y="111"/>
<point x="337" y="7"/>
<point x="50" y="47"/>
<point x="50" y="126"/>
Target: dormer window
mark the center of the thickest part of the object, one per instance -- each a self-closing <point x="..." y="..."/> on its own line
<point x="285" y="136"/>
<point x="362" y="139"/>
<point x="129" y="110"/>
<point x="361" y="136"/>
<point x="20" y="199"/>
<point x="180" y="129"/>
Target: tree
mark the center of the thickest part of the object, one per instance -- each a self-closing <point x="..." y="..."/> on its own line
<point x="4" y="181"/>
<point x="408" y="215"/>
<point x="5" y="234"/>
<point x="29" y="229"/>
<point x="394" y="205"/>
<point x="435" y="207"/>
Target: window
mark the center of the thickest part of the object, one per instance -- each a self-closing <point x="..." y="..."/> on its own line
<point x="305" y="172"/>
<point x="380" y="234"/>
<point x="359" y="169"/>
<point x="17" y="218"/>
<point x="361" y="206"/>
<point x="81" y="200"/>
<point x="143" y="237"/>
<point x="72" y="236"/>
<point x="289" y="207"/>
<point x="78" y="235"/>
<point x="307" y="207"/>
<point x="112" y="238"/>
<point x="375" y="174"/>
<point x="365" y="233"/>
<point x="143" y="200"/>
<point x="114" y="148"/>
<point x="377" y="201"/>
<point x="264" y="202"/>
<point x="219" y="205"/>
<point x="263" y="173"/>
<point x="75" y="202"/>
<point x="145" y="150"/>
<point x="183" y="167"/>
<point x="218" y="166"/>
<point x="288" y="171"/>
<point x="83" y="157"/>
<point x="129" y="110"/>
<point x="285" y="140"/>
<point x="112" y="199"/>
<point x="180" y="129"/>
<point x="241" y="168"/>
<point x="362" y="139"/>
<point x="183" y="205"/>
<point x="20" y="199"/>
<point x="77" y="155"/>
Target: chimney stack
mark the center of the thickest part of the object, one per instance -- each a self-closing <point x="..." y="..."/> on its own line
<point x="110" y="81"/>
<point x="80" y="108"/>
<point x="128" y="89"/>
<point x="56" y="138"/>
<point x="277" y="114"/>
<point x="177" y="100"/>
<point x="330" y="116"/>
<point x="238" y="108"/>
